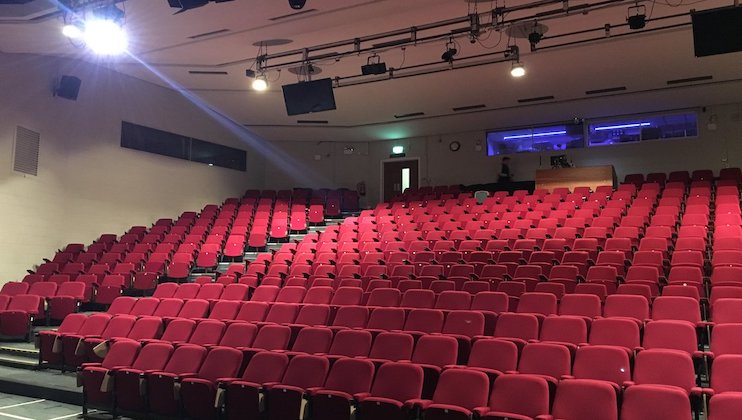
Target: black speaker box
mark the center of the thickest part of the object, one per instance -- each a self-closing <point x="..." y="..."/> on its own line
<point x="68" y="88"/>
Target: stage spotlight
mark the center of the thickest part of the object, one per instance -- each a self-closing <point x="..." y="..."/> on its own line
<point x="105" y="37"/>
<point x="297" y="4"/>
<point x="374" y="65"/>
<point x="450" y="53"/>
<point x="260" y="84"/>
<point x="534" y="38"/>
<point x="518" y="70"/>
<point x="637" y="17"/>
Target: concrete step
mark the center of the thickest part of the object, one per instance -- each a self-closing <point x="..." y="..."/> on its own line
<point x="21" y="356"/>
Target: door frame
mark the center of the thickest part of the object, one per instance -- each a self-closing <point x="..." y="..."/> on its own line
<point x="399" y="159"/>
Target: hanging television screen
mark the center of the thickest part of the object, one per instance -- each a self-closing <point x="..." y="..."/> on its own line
<point x="717" y="31"/>
<point x="308" y="97"/>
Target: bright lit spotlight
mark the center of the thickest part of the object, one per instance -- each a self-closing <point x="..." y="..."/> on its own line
<point x="72" y="31"/>
<point x="105" y="37"/>
<point x="260" y="84"/>
<point x="518" y="70"/>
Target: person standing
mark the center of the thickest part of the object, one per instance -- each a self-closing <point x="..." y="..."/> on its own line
<point x="505" y="174"/>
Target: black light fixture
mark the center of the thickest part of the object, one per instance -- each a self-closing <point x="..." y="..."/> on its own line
<point x="451" y="51"/>
<point x="374" y="65"/>
<point x="637" y="17"/>
<point x="184" y="5"/>
<point x="297" y="4"/>
<point x="534" y="38"/>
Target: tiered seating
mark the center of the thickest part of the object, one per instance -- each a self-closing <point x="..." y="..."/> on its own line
<point x="627" y="296"/>
<point x="172" y="249"/>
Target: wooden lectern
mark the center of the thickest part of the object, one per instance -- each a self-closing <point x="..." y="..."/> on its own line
<point x="588" y="176"/>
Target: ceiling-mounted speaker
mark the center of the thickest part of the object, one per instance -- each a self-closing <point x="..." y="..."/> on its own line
<point x="68" y="87"/>
<point x="297" y="4"/>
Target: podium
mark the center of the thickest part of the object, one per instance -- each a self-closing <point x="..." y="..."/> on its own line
<point x="588" y="176"/>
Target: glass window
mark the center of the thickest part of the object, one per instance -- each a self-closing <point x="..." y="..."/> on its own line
<point x="642" y="128"/>
<point x="160" y="142"/>
<point x="535" y="139"/>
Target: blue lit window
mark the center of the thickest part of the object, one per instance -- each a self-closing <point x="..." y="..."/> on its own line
<point x="535" y="139"/>
<point x="636" y="129"/>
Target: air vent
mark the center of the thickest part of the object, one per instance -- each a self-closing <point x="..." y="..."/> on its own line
<point x="606" y="90"/>
<point x="212" y="73"/>
<point x="26" y="151"/>
<point x="540" y="98"/>
<point x="689" y="80"/>
<point x="412" y="114"/>
<point x="290" y="15"/>
<point x="205" y="34"/>
<point x="312" y="122"/>
<point x="469" y="107"/>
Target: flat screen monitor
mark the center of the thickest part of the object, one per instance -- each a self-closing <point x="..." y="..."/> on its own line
<point x="717" y="31"/>
<point x="307" y="97"/>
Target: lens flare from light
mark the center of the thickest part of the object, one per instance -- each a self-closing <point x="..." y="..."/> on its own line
<point x="72" y="31"/>
<point x="105" y="37"/>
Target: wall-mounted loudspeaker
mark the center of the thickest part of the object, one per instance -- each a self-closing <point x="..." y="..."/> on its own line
<point x="68" y="87"/>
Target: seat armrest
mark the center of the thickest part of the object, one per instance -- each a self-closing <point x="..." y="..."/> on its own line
<point x="545" y="417"/>
<point x="313" y="390"/>
<point x="627" y="384"/>
<point x="220" y="381"/>
<point x="480" y="411"/>
<point x="418" y="403"/>
<point x="361" y="396"/>
<point x="709" y="392"/>
<point x="566" y="377"/>
<point x="86" y="365"/>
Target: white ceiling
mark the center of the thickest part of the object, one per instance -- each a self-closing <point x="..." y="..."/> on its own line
<point x="162" y="52"/>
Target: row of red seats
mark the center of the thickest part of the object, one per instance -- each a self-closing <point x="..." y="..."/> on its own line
<point x="730" y="174"/>
<point x="576" y="315"/>
<point x="73" y="261"/>
<point x="17" y="315"/>
<point x="74" y="346"/>
<point x="345" y="199"/>
<point x="191" y="381"/>
<point x="55" y="300"/>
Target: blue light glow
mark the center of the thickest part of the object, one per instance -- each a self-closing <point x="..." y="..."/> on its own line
<point x="618" y="127"/>
<point x="544" y="134"/>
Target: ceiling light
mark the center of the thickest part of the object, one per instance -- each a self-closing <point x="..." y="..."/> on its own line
<point x="450" y="53"/>
<point x="105" y="37"/>
<point x="297" y="4"/>
<point x="260" y="84"/>
<point x="518" y="69"/>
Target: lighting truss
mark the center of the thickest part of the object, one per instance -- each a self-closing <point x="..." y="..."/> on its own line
<point x="470" y="26"/>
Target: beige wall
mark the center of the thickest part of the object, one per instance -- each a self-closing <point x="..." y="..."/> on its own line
<point x="439" y="166"/>
<point x="87" y="184"/>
